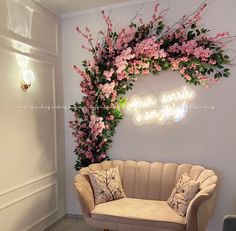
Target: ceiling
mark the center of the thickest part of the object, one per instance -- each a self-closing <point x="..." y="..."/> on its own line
<point x="61" y="7"/>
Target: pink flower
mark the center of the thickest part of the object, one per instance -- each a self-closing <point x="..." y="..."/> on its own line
<point x="121" y="60"/>
<point x="186" y="76"/>
<point x="212" y="62"/>
<point x="202" y="53"/>
<point x="158" y="67"/>
<point x="89" y="155"/>
<point x="97" y="125"/>
<point x="125" y="37"/>
<point x="86" y="84"/>
<point x="174" y="48"/>
<point x="131" y="70"/>
<point x="136" y="71"/>
<point x="107" y="88"/>
<point x="113" y="95"/>
<point x="182" y="70"/>
<point x="108" y="74"/>
<point x="189" y="47"/>
<point x="85" y="110"/>
<point x="162" y="53"/>
<point x="145" y="72"/>
<point x="102" y="156"/>
<point x="149" y="48"/>
<point x="180" y="32"/>
<point x="183" y="59"/>
<point x="122" y="75"/>
<point x="102" y="143"/>
<point x="193" y="66"/>
<point x="175" y="64"/>
<point x="110" y="117"/>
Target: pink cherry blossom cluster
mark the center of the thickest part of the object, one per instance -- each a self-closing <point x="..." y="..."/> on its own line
<point x="121" y="61"/>
<point x="125" y="36"/>
<point x="150" y="48"/>
<point x="108" y="89"/>
<point x="96" y="124"/>
<point x="86" y="85"/>
<point x="191" y="48"/>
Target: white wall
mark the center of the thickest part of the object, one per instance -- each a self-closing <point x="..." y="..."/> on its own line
<point x="205" y="137"/>
<point x="32" y="186"/>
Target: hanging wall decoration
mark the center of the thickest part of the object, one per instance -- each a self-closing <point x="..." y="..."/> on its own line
<point x="118" y="58"/>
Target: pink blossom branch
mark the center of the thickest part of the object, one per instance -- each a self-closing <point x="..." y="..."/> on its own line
<point x="88" y="37"/>
<point x="185" y="18"/>
<point x="154" y="16"/>
<point x="108" y="21"/>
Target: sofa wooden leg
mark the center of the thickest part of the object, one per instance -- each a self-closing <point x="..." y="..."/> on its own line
<point x="106" y="229"/>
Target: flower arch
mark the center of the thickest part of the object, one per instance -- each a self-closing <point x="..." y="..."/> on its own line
<point x="119" y="58"/>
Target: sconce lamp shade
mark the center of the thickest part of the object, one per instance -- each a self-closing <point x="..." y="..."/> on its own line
<point x="28" y="78"/>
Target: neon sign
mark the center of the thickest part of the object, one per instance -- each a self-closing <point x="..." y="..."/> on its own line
<point x="169" y="106"/>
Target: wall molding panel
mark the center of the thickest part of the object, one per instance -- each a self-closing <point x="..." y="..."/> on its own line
<point x="54" y="172"/>
<point x="13" y="28"/>
<point x="30" y="195"/>
<point x="32" y="173"/>
<point x="3" y="193"/>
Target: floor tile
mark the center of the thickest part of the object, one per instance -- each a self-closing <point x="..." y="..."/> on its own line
<point x="69" y="224"/>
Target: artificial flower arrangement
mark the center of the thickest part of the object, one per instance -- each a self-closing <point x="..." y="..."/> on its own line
<point x="120" y="57"/>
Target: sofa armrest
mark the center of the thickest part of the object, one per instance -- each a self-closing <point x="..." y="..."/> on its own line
<point x="85" y="193"/>
<point x="199" y="210"/>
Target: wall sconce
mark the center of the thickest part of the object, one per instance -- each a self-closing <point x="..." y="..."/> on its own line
<point x="28" y="78"/>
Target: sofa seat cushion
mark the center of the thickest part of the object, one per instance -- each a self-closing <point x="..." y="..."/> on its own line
<point x="150" y="213"/>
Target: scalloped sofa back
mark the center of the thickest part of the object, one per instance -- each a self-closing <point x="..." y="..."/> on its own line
<point x="147" y="186"/>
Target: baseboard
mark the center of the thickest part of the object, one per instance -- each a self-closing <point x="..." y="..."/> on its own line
<point x="59" y="220"/>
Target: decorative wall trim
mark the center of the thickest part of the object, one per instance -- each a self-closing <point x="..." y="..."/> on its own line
<point x="40" y="220"/>
<point x="45" y="58"/>
<point x="38" y="58"/>
<point x="27" y="183"/>
<point x="4" y="192"/>
<point x="31" y="42"/>
<point x="4" y="32"/>
<point x="54" y="116"/>
<point x="108" y="7"/>
<point x="56" y="33"/>
<point x="31" y="194"/>
<point x="47" y="215"/>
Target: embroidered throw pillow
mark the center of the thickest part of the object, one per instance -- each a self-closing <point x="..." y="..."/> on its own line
<point x="184" y="191"/>
<point x="106" y="185"/>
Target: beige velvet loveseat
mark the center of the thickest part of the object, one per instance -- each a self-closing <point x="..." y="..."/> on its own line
<point x="147" y="186"/>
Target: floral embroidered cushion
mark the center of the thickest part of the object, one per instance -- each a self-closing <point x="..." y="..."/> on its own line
<point x="106" y="185"/>
<point x="184" y="191"/>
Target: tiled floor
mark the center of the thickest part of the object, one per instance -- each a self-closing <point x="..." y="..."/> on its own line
<point x="69" y="224"/>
